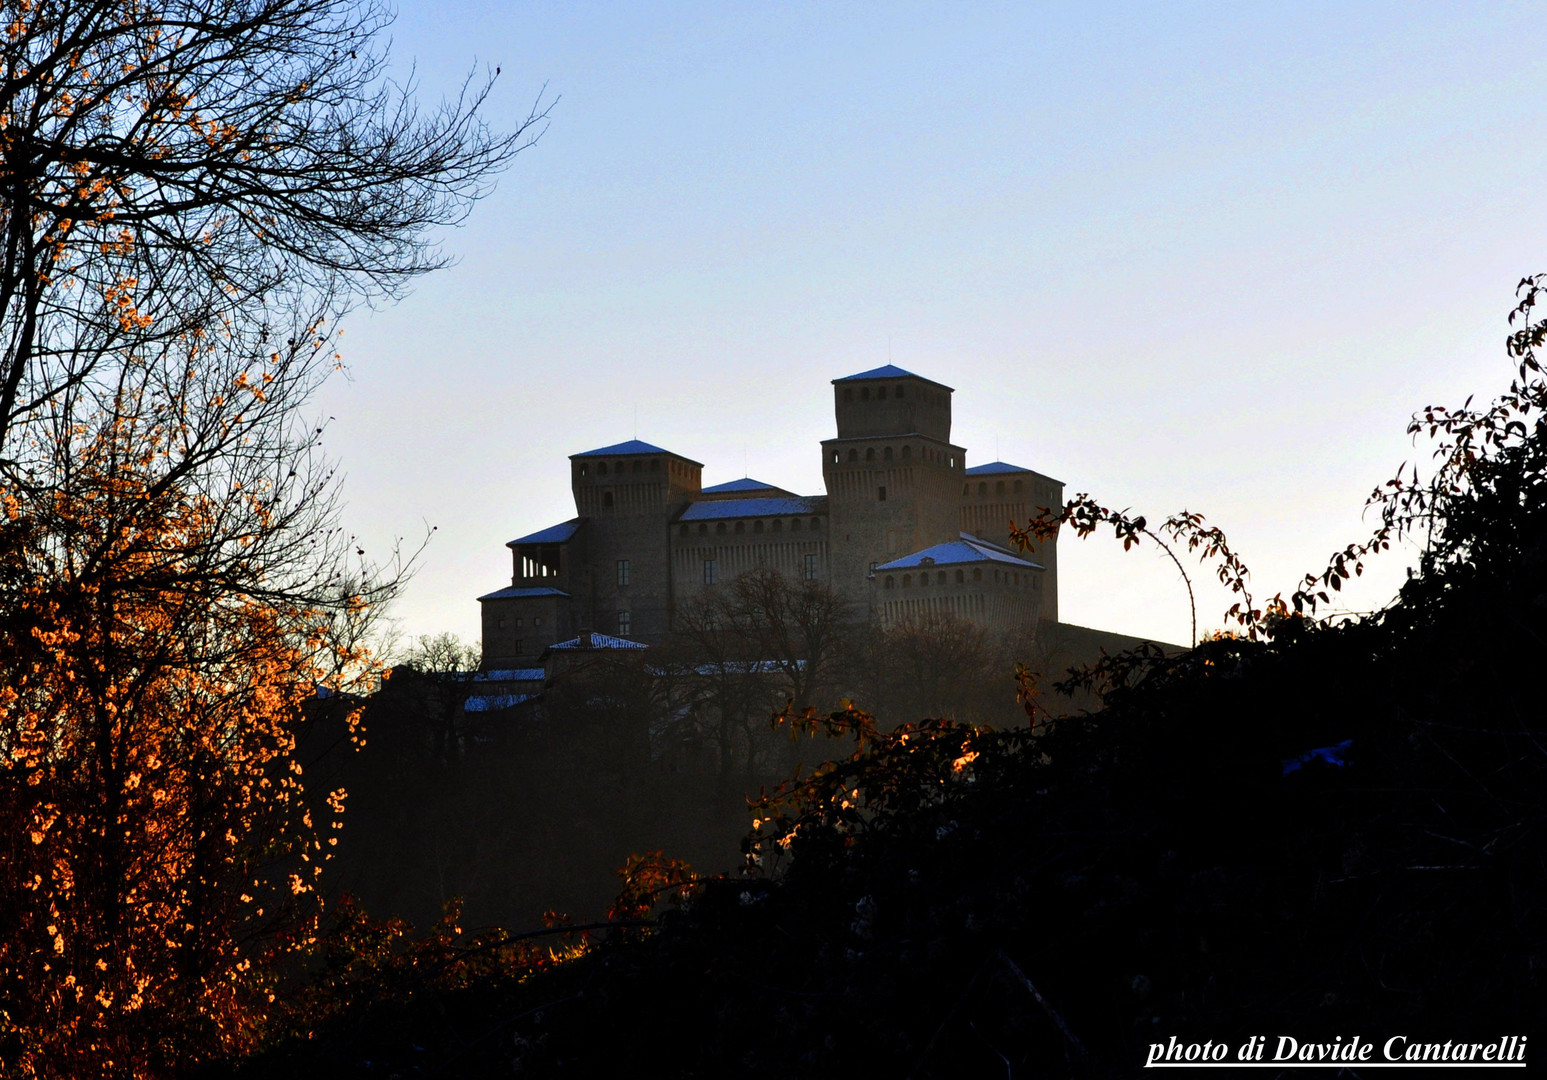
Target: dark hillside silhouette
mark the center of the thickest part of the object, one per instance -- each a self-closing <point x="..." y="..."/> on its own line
<point x="1311" y="829"/>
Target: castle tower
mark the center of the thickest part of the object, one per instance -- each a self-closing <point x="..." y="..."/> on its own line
<point x="627" y="494"/>
<point x="893" y="477"/>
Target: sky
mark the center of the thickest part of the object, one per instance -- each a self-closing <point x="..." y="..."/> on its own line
<point x="1180" y="256"/>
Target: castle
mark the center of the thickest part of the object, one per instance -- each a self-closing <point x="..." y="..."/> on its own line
<point x="906" y="530"/>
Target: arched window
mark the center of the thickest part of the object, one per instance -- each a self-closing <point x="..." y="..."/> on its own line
<point x="890" y="581"/>
<point x="778" y="525"/>
<point x="606" y="498"/>
<point x="1017" y="487"/>
<point x="881" y="393"/>
<point x="741" y="526"/>
<point x="835" y="457"/>
<point x="881" y="493"/>
<point x="584" y="469"/>
<point x="907" y="580"/>
<point x="966" y="489"/>
<point x="960" y="577"/>
<point x="757" y="526"/>
<point x="887" y="453"/>
<point x="982" y="487"/>
<point x="977" y="573"/>
<point x="899" y="390"/>
<point x="940" y="578"/>
<point x="870" y="453"/>
<point x="795" y="525"/>
<point x="864" y="393"/>
<point x="999" y="487"/>
<point x="720" y="529"/>
<point x="907" y="453"/>
<point x="702" y="528"/>
<point x="639" y="465"/>
<point x="601" y="468"/>
<point x="853" y="455"/>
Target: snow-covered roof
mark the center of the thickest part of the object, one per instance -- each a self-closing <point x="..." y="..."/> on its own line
<point x="597" y="641"/>
<point x="888" y="371"/>
<point x="778" y="506"/>
<point x="553" y="534"/>
<point x="747" y="484"/>
<point x="633" y="446"/>
<point x="966" y="550"/>
<point x="515" y="592"/>
<point x="534" y="674"/>
<point x="490" y="702"/>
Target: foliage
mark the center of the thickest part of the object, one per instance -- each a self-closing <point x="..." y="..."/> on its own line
<point x="191" y="192"/>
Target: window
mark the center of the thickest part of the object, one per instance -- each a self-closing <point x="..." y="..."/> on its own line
<point x="899" y="391"/>
<point x="795" y="525"/>
<point x="1017" y="487"/>
<point x="502" y="622"/>
<point x="853" y="455"/>
<point x="907" y="580"/>
<point x="702" y="528"/>
<point x="518" y="649"/>
<point x="810" y="573"/>
<point x="708" y="571"/>
<point x="835" y="457"/>
<point x="816" y="523"/>
<point x="639" y="465"/>
<point x="887" y="454"/>
<point x="890" y="581"/>
<point x="907" y="452"/>
<point x="606" y="498"/>
<point x="870" y="453"/>
<point x="977" y="573"/>
<point x="940" y="578"/>
<point x="518" y="622"/>
<point x="585" y="470"/>
<point x="880" y="393"/>
<point x="778" y="525"/>
<point x="881" y="493"/>
<point x="601" y="468"/>
<point x="719" y="528"/>
<point x="537" y="621"/>
<point x="623" y="624"/>
<point x="999" y="487"/>
<point x="757" y="526"/>
<point x="982" y="488"/>
<point x="622" y="571"/>
<point x="960" y="577"/>
<point x="864" y="393"/>
<point x="741" y="526"/>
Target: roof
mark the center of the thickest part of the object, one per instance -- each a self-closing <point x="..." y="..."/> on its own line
<point x="633" y="446"/>
<point x="553" y="534"/>
<point x="889" y="371"/>
<point x="511" y="675"/>
<point x="491" y="702"/>
<point x="597" y="641"/>
<point x="1002" y="468"/>
<point x="994" y="467"/>
<point x="785" y="506"/>
<point x="747" y="484"/>
<point x="958" y="551"/>
<point x="521" y="592"/>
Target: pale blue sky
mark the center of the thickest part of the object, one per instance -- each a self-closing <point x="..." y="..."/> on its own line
<point x="1207" y="256"/>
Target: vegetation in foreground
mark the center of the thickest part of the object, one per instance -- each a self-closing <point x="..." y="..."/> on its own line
<point x="1306" y="829"/>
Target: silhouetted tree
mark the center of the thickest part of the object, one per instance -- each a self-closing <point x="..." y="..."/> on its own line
<point x="191" y="191"/>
